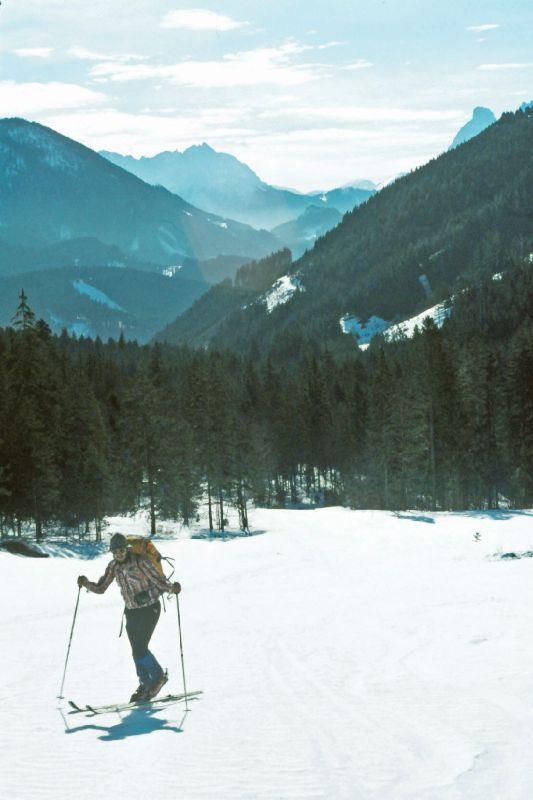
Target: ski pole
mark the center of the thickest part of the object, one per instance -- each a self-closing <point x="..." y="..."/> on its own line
<point x="60" y="695"/>
<point x="181" y="652"/>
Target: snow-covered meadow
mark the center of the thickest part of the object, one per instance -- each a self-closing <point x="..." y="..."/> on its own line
<point x="343" y="655"/>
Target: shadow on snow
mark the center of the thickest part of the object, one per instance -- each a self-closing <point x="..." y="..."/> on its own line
<point x="498" y="514"/>
<point x="139" y="722"/>
<point x="415" y="518"/>
<point x="212" y="536"/>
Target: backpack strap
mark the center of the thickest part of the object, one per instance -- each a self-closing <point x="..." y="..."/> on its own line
<point x="170" y="562"/>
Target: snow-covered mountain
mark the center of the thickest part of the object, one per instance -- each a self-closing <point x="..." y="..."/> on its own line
<point x="53" y="189"/>
<point x="481" y="119"/>
<point x="220" y="183"/>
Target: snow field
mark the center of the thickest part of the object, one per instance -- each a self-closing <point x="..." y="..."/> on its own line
<point x="343" y="656"/>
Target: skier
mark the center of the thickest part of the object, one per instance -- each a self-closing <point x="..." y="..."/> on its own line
<point x="140" y="585"/>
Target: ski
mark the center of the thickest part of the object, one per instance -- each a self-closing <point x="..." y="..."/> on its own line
<point x="90" y="709"/>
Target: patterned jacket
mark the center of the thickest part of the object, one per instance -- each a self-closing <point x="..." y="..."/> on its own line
<point x="140" y="583"/>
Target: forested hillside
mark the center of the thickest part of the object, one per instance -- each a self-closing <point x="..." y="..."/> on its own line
<point x="465" y="214"/>
<point x="199" y="325"/>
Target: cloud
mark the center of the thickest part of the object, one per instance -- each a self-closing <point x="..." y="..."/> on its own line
<point x="364" y="114"/>
<point x="481" y="28"/>
<point x="327" y="45"/>
<point x="327" y="139"/>
<point x="361" y="63"/>
<point x="505" y="66"/>
<point x="83" y="54"/>
<point x="149" y="133"/>
<point x="34" y="52"/>
<point x="28" y="99"/>
<point x="200" y="19"/>
<point x="273" y="65"/>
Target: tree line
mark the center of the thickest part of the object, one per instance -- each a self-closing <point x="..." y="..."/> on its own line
<point x="440" y="421"/>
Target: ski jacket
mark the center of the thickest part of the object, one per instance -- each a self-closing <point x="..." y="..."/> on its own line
<point x="140" y="583"/>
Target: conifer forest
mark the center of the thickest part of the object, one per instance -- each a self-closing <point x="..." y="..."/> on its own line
<point x="440" y="421"/>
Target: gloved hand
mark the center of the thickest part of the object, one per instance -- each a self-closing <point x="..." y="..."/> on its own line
<point x="82" y="581"/>
<point x="176" y="588"/>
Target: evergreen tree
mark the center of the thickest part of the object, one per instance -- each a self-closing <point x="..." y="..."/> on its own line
<point x="85" y="479"/>
<point x="521" y="415"/>
<point x="29" y="442"/>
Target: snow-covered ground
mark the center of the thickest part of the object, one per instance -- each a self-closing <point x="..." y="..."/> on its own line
<point x="342" y="655"/>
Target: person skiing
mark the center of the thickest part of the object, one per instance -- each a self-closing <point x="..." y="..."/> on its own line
<point x="141" y="586"/>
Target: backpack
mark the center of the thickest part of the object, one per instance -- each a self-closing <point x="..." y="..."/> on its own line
<point x="145" y="547"/>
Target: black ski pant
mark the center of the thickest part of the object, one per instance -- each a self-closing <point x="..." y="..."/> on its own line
<point x="140" y="625"/>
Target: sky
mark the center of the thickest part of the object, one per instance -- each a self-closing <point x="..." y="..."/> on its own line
<point x="311" y="95"/>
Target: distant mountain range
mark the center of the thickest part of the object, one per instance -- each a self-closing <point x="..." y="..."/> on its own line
<point x="101" y="252"/>
<point x="54" y="190"/>
<point x="221" y="184"/>
<point x="467" y="213"/>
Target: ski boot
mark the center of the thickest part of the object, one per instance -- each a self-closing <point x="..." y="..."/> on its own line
<point x="139" y="694"/>
<point x="156" y="687"/>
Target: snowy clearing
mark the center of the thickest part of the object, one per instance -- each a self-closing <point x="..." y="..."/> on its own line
<point x="342" y="654"/>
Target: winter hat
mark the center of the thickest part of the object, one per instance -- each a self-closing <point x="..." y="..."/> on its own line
<point x="118" y="542"/>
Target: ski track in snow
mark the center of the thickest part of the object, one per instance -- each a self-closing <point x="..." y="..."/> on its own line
<point x="343" y="656"/>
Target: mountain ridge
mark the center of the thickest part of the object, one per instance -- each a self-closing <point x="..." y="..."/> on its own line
<point x="218" y="182"/>
<point x="69" y="191"/>
<point x="463" y="213"/>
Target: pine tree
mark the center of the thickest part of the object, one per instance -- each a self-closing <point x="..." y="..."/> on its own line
<point x="24" y="318"/>
<point x="30" y="438"/>
<point x="85" y="486"/>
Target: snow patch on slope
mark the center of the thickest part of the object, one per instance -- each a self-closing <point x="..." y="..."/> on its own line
<point x="438" y="314"/>
<point x="169" y="272"/>
<point x="282" y="291"/>
<point x="79" y="329"/>
<point x="95" y="294"/>
<point x="363" y="331"/>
